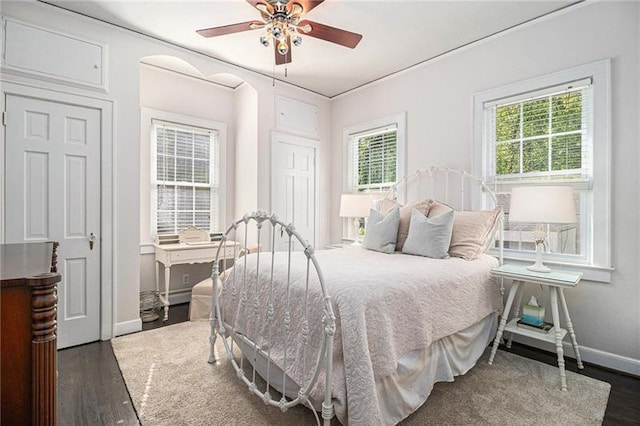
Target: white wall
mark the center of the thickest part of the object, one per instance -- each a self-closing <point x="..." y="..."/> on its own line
<point x="246" y="166"/>
<point x="438" y="98"/>
<point x="125" y="51"/>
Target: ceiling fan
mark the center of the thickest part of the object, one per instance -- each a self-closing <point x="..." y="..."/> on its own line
<point x="281" y="20"/>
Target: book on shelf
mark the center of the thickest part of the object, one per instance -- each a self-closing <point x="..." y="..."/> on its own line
<point x="544" y="328"/>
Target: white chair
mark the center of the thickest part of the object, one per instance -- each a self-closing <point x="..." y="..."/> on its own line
<point x="200" y="306"/>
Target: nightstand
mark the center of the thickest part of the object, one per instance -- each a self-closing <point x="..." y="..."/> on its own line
<point x="556" y="281"/>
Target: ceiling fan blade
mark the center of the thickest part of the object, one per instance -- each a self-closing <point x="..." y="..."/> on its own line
<point x="283" y="59"/>
<point x="334" y="35"/>
<point x="228" y="29"/>
<point x="307" y="5"/>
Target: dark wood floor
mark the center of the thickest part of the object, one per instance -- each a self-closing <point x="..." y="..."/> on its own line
<point x="91" y="390"/>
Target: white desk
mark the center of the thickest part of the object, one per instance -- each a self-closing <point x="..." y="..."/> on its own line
<point x="556" y="281"/>
<point x="185" y="253"/>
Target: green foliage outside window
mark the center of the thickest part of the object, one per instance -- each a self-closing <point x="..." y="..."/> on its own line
<point x="376" y="156"/>
<point x="540" y="135"/>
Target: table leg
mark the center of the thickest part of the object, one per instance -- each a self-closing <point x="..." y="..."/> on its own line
<point x="556" y="324"/>
<point x="516" y="314"/>
<point x="503" y="319"/>
<point x="572" y="334"/>
<point x="167" y="276"/>
<point x="157" y="276"/>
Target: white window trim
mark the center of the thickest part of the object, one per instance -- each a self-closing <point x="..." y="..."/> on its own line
<point x="147" y="148"/>
<point x="400" y="122"/>
<point x="213" y="184"/>
<point x="397" y="120"/>
<point x="600" y="267"/>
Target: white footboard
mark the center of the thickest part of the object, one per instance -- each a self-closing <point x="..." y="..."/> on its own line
<point x="255" y="300"/>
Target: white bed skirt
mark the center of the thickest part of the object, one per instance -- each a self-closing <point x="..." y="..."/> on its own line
<point x="404" y="391"/>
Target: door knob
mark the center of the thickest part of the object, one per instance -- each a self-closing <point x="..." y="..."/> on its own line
<point x="92" y="239"/>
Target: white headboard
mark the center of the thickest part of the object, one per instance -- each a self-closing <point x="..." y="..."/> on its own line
<point x="457" y="188"/>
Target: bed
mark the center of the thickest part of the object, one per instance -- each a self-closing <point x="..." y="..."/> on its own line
<point x="354" y="332"/>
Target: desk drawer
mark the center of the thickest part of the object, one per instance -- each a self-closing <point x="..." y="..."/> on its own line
<point x="201" y="254"/>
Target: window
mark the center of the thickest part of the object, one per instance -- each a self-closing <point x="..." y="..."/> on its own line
<point x="375" y="154"/>
<point x="551" y="131"/>
<point x="374" y="160"/>
<point x="184" y="178"/>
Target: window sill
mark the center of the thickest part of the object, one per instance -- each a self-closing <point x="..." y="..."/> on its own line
<point x="599" y="274"/>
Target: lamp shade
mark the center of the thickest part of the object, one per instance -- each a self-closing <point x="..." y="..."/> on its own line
<point x="542" y="204"/>
<point x="355" y="205"/>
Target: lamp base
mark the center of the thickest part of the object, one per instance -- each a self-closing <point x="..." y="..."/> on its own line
<point x="356" y="233"/>
<point x="539" y="266"/>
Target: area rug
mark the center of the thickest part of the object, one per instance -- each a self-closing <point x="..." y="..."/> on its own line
<point x="171" y="383"/>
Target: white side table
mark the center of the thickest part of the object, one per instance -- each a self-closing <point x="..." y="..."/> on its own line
<point x="556" y="281"/>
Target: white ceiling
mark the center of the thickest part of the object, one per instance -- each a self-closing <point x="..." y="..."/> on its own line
<point x="396" y="34"/>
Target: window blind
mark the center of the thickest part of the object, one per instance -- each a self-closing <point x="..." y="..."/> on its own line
<point x="185" y="179"/>
<point x="374" y="159"/>
<point x="543" y="137"/>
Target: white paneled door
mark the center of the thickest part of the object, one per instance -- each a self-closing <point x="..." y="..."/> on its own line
<point x="293" y="184"/>
<point x="52" y="190"/>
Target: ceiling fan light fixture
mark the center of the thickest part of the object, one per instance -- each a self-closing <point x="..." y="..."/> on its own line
<point x="281" y="26"/>
<point x="283" y="48"/>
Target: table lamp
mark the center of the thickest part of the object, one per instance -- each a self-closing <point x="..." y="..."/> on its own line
<point x="542" y="205"/>
<point x="356" y="206"/>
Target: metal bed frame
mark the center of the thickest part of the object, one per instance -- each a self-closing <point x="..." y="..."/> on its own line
<point x="269" y="223"/>
<point x="224" y="330"/>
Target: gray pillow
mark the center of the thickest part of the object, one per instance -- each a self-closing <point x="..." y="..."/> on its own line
<point x="405" y="215"/>
<point x="429" y="236"/>
<point x="382" y="231"/>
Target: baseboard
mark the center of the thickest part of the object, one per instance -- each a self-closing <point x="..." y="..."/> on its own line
<point x="590" y="355"/>
<point x="127" y="327"/>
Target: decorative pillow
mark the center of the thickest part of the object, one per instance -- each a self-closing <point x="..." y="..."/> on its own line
<point x="382" y="231"/>
<point x="438" y="208"/>
<point x="471" y="230"/>
<point x="405" y="215"/>
<point x="429" y="237"/>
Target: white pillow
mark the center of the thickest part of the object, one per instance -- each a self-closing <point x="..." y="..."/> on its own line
<point x="382" y="231"/>
<point x="429" y="237"/>
<point x="405" y="215"/>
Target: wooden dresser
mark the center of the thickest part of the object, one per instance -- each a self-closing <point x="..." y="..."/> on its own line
<point x="28" y="333"/>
